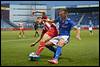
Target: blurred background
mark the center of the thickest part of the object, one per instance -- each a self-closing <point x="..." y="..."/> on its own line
<point x="13" y="12"/>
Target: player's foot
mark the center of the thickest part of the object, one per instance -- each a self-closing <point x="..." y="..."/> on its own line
<point x="53" y="61"/>
<point x="78" y="38"/>
<point x="34" y="57"/>
<point x="34" y="54"/>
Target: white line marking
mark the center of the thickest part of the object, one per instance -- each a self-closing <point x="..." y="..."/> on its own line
<point x="15" y="40"/>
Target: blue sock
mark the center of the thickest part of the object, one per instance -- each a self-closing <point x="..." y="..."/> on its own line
<point x="51" y="48"/>
<point x="58" y="52"/>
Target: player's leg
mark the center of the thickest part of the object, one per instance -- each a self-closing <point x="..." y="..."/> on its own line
<point x="59" y="45"/>
<point x="91" y="32"/>
<point x="37" y="33"/>
<point x="50" y="44"/>
<point x="58" y="52"/>
<point x="78" y="34"/>
<point x="22" y="33"/>
<point x="45" y="38"/>
<point x="19" y="34"/>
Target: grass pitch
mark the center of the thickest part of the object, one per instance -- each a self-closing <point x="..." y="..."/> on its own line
<point x="14" y="51"/>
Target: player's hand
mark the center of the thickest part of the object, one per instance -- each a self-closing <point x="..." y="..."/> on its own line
<point x="33" y="44"/>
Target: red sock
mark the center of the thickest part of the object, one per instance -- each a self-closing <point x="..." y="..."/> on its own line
<point x="40" y="48"/>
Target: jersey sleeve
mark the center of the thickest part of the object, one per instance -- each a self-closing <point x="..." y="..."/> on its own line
<point x="43" y="32"/>
<point x="73" y="24"/>
<point x="57" y="19"/>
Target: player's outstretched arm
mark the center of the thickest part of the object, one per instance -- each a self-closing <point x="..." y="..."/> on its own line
<point x="33" y="44"/>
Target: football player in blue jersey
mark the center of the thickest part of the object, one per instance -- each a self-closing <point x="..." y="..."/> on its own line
<point x="90" y="27"/>
<point x="65" y="26"/>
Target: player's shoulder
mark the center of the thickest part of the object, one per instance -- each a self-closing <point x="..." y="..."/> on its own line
<point x="69" y="19"/>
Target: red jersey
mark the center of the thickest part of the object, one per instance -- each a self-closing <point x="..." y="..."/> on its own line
<point x="50" y="29"/>
<point x="44" y="17"/>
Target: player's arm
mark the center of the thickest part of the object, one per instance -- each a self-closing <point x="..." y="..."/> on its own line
<point x="33" y="44"/>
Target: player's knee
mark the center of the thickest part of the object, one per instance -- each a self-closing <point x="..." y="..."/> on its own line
<point x="61" y="43"/>
<point x="45" y="38"/>
<point x="49" y="43"/>
<point x="42" y="40"/>
<point x="47" y="46"/>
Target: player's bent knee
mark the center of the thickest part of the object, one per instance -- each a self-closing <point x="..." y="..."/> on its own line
<point x="61" y="43"/>
<point x="46" y="38"/>
<point x="42" y="40"/>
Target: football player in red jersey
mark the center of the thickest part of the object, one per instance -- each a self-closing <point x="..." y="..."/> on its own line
<point x="49" y="31"/>
<point x="21" y="28"/>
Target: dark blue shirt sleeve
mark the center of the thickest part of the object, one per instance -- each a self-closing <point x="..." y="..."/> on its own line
<point x="57" y="19"/>
<point x="72" y="23"/>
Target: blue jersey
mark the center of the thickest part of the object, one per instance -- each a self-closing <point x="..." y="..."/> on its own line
<point x="90" y="25"/>
<point x="65" y="26"/>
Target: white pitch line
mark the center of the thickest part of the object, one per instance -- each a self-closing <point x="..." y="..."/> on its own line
<point x="15" y="40"/>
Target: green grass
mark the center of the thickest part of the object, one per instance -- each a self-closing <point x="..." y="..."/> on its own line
<point x="14" y="51"/>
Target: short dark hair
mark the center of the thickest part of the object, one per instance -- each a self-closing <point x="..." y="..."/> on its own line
<point x="63" y="9"/>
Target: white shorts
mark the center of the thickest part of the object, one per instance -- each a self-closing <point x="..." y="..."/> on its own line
<point x="79" y="28"/>
<point x="90" y="28"/>
<point x="57" y="38"/>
